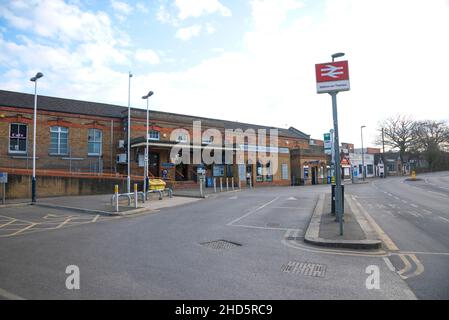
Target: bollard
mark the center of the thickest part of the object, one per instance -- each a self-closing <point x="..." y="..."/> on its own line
<point x="232" y="183"/>
<point x="221" y="184"/>
<point x="240" y="184"/>
<point x="116" y="197"/>
<point x="201" y="187"/>
<point x="250" y="182"/>
<point x="215" y="185"/>
<point x="135" y="195"/>
<point x="227" y="184"/>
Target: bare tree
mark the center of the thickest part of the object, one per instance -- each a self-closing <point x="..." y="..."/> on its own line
<point x="430" y="137"/>
<point x="398" y="133"/>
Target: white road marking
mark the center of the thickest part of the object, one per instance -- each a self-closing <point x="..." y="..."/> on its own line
<point x="427" y="211"/>
<point x="96" y="218"/>
<point x="414" y="205"/>
<point x="252" y="211"/>
<point x="8" y="295"/>
<point x="262" y="228"/>
<point x="389" y="264"/>
<point x="444" y="219"/>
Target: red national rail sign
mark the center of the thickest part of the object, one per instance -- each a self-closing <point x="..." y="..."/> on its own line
<point x="332" y="77"/>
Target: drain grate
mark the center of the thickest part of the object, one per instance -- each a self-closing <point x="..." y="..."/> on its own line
<point x="220" y="244"/>
<point x="305" y="268"/>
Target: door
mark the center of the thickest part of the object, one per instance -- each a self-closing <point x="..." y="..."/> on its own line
<point x="314" y="175"/>
<point x="153" y="164"/>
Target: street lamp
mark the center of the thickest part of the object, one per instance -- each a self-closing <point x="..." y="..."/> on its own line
<point x="33" y="180"/>
<point x="338" y="187"/>
<point x="128" y="156"/>
<point x="337" y="55"/>
<point x="363" y="153"/>
<point x="146" y="181"/>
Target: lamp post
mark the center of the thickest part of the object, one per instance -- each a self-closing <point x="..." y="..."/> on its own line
<point x="338" y="188"/>
<point x="128" y="155"/>
<point x="33" y="180"/>
<point x="146" y="181"/>
<point x="363" y="153"/>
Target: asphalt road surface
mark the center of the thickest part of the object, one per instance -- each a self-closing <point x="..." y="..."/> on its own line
<point x="415" y="215"/>
<point x="239" y="245"/>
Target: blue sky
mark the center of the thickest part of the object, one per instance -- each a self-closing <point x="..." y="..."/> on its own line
<point x="250" y="61"/>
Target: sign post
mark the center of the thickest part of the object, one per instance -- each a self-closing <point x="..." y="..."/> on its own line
<point x="333" y="77"/>
<point x="4" y="181"/>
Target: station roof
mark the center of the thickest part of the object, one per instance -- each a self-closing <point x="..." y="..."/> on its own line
<point x="55" y="104"/>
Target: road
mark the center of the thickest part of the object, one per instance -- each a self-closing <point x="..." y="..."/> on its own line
<point x="415" y="215"/>
<point x="171" y="254"/>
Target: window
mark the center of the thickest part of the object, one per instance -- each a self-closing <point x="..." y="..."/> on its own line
<point x="153" y="135"/>
<point x="94" y="142"/>
<point x="369" y="169"/>
<point x="285" y="172"/>
<point x="182" y="137"/>
<point x="59" y="143"/>
<point x="259" y="168"/>
<point x="18" y="138"/>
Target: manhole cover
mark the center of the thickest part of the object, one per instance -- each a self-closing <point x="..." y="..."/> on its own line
<point x="305" y="268"/>
<point x="220" y="244"/>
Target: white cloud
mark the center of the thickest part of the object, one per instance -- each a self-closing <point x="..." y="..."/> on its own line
<point x="268" y="15"/>
<point x="147" y="56"/>
<point x="58" y="20"/>
<point x="121" y="9"/>
<point x="187" y="33"/>
<point x="197" y="8"/>
<point x="210" y="28"/>
<point x="142" y="7"/>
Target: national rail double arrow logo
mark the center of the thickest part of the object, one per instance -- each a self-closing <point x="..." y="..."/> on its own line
<point x="331" y="71"/>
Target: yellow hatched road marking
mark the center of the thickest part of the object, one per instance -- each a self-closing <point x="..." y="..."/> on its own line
<point x="63" y="223"/>
<point x="24" y="229"/>
<point x="5" y="224"/>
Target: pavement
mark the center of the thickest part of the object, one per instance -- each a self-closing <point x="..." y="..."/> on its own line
<point x="324" y="229"/>
<point x="241" y="245"/>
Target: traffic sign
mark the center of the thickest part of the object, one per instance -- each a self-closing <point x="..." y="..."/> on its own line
<point x="327" y="143"/>
<point x="332" y="77"/>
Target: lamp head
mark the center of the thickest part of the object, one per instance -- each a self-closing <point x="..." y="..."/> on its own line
<point x="37" y="76"/>
<point x="337" y="55"/>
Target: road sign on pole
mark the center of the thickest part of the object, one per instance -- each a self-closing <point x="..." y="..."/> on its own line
<point x="333" y="77"/>
<point x="327" y="143"/>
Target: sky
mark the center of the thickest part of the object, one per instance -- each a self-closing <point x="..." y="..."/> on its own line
<point x="250" y="61"/>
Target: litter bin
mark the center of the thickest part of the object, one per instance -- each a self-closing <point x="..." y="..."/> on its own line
<point x="157" y="184"/>
<point x="209" y="182"/>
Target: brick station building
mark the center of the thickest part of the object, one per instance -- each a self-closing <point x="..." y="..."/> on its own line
<point x="81" y="136"/>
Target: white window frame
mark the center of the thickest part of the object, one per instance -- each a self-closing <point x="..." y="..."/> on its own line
<point x="153" y="132"/>
<point x="284" y="171"/>
<point x="182" y="137"/>
<point x="95" y="142"/>
<point x="9" y="139"/>
<point x="59" y="131"/>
